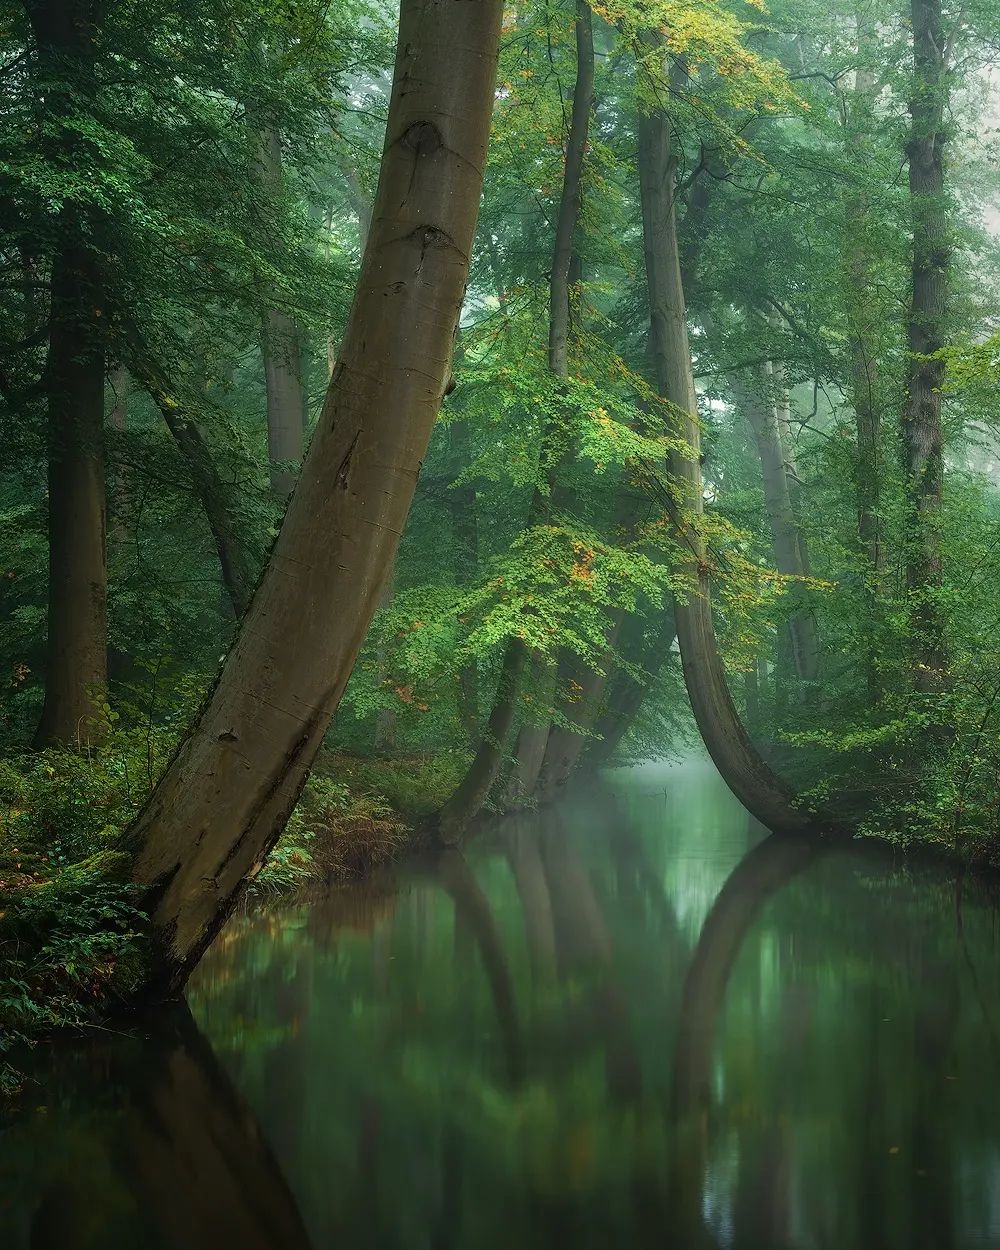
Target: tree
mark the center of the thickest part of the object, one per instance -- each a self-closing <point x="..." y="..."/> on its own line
<point x="923" y="449"/>
<point x="467" y="801"/>
<point x="743" y="769"/>
<point x="226" y="796"/>
<point x="65" y="33"/>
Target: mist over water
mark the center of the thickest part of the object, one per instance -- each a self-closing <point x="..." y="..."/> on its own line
<point x="628" y="1020"/>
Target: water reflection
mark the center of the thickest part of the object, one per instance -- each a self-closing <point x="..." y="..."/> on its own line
<point x="143" y="1144"/>
<point x="629" y="1021"/>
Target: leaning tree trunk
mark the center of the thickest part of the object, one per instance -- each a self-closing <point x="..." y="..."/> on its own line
<point x="467" y="801"/>
<point x="237" y="563"/>
<point x="922" y="442"/>
<point x="66" y="38"/>
<point x="740" y="765"/>
<point x="228" y="792"/>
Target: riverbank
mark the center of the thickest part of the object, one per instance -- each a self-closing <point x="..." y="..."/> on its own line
<point x="72" y="937"/>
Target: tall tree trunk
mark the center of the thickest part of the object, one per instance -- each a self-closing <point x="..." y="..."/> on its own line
<point x="532" y="736"/>
<point x="65" y="33"/>
<point x="236" y="561"/>
<point x="463" y="505"/>
<point x="759" y="404"/>
<point x="865" y="385"/>
<point x="572" y="193"/>
<point x="228" y="792"/>
<point x="626" y="695"/>
<point x="474" y="789"/>
<point x="385" y="718"/>
<point x="565" y="743"/>
<point x="281" y="350"/>
<point x="77" y="658"/>
<point x="922" y="443"/>
<point x="740" y="765"/>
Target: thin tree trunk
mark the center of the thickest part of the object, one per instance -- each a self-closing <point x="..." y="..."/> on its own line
<point x="740" y="765"/>
<point x="462" y="502"/>
<point x="626" y="695"/>
<point x="865" y="386"/>
<point x="236" y="560"/>
<point x="228" y="792"/>
<point x="474" y="789"/>
<point x="76" y="670"/>
<point x="922" y="442"/>
<point x="760" y="407"/>
<point x="281" y="350"/>
<point x="565" y="743"/>
<point x="118" y="380"/>
<point x="531" y="738"/>
<point x="362" y="207"/>
<point x="385" y="718"/>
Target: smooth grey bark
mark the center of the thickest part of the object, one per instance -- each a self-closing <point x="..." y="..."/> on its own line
<point x="229" y="790"/>
<point x="923" y="452"/>
<point x="461" y="808"/>
<point x="534" y="736"/>
<point x="759" y="403"/>
<point x="282" y="354"/>
<point x="725" y="737"/>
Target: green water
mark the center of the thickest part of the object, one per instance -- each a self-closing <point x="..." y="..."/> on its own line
<point x="624" y="1022"/>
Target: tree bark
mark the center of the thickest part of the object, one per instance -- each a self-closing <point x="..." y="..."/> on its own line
<point x="533" y="737"/>
<point x="228" y="792"/>
<point x="626" y="695"/>
<point x="866" y="388"/>
<point x="740" y="765"/>
<point x="474" y="789"/>
<point x="760" y="407"/>
<point x="281" y="350"/>
<point x="922" y="442"/>
<point x="76" y="671"/>
<point x="65" y="33"/>
<point x="460" y="809"/>
<point x="237" y="563"/>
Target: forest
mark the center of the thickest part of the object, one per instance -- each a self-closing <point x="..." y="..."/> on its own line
<point x="408" y="418"/>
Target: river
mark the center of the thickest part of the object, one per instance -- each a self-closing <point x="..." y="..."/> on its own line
<point x="629" y="1020"/>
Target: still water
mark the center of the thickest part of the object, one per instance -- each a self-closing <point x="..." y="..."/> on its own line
<point x="628" y="1021"/>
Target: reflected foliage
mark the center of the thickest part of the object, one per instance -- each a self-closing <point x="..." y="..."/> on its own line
<point x="629" y="1020"/>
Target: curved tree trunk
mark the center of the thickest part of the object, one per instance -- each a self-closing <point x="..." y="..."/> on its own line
<point x="742" y="768"/>
<point x="923" y="453"/>
<point x="228" y="792"/>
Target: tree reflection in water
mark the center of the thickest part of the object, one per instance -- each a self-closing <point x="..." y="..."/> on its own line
<point x="608" y="1023"/>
